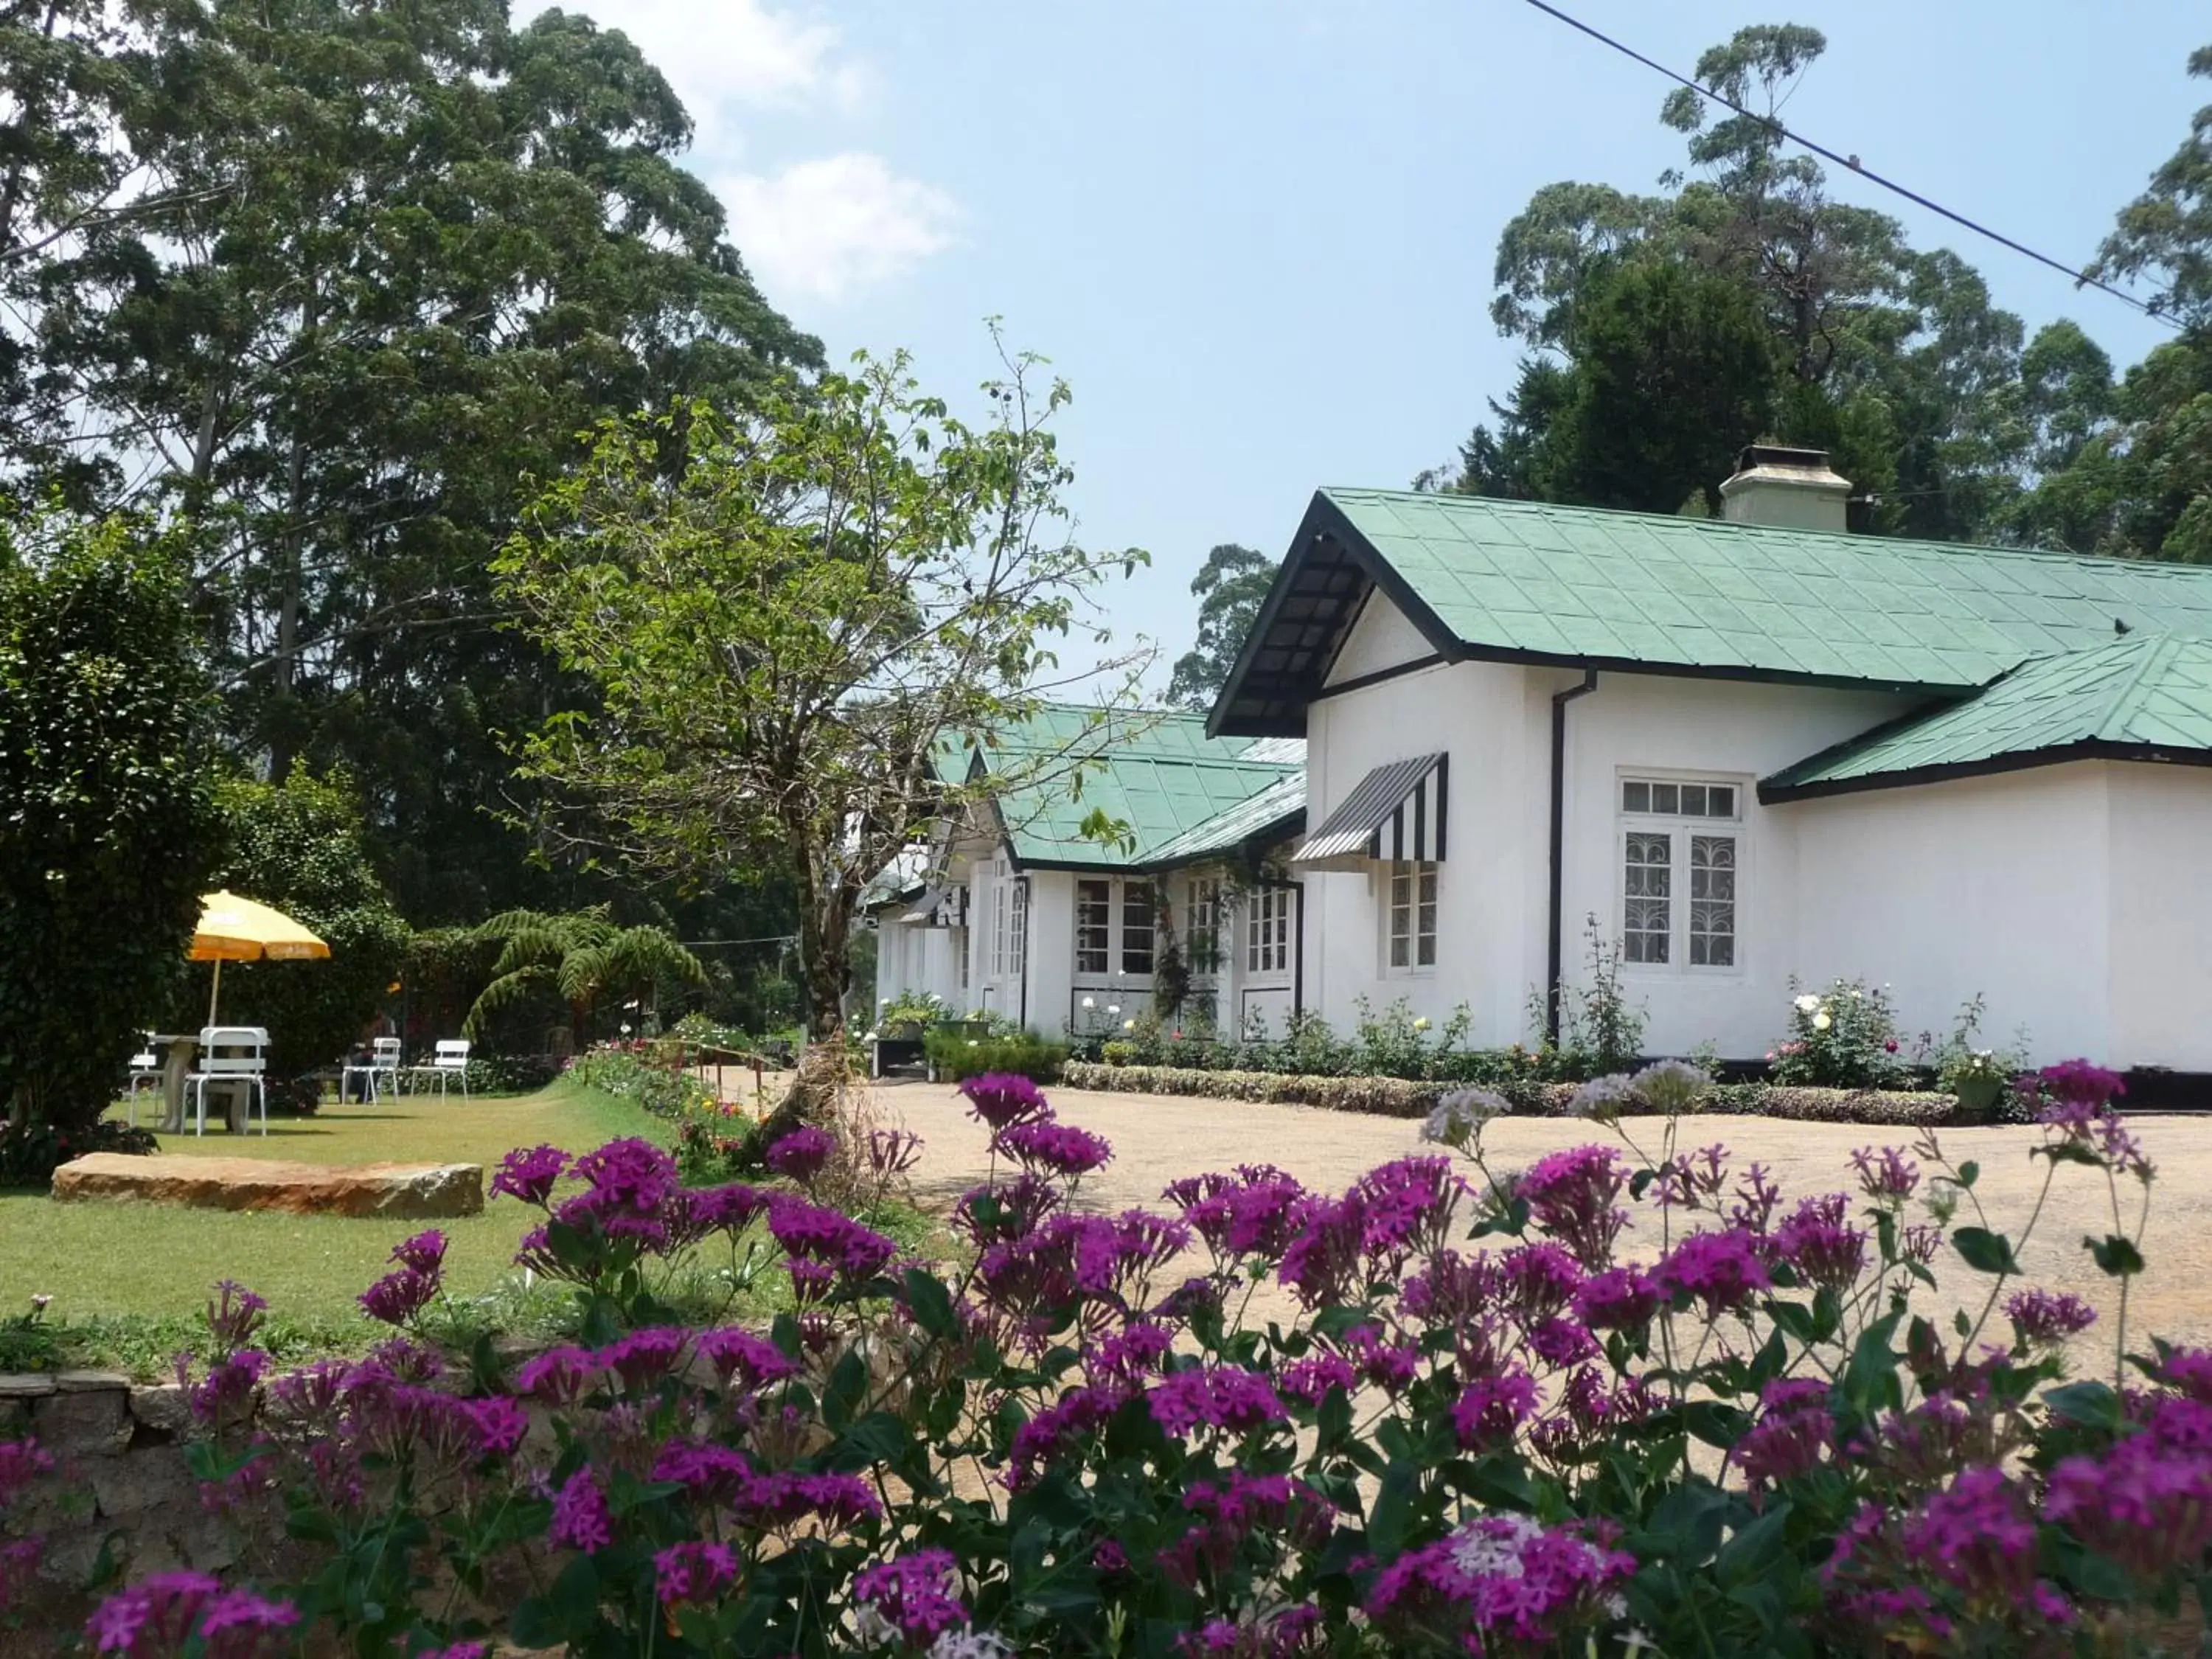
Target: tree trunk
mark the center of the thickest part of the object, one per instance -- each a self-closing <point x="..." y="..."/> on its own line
<point x="825" y="926"/>
<point x="281" y="742"/>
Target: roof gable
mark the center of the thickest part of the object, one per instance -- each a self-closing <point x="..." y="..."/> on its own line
<point x="2146" y="697"/>
<point x="1182" y="793"/>
<point x="1580" y="586"/>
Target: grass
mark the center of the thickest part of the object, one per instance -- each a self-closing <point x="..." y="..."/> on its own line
<point x="128" y="1281"/>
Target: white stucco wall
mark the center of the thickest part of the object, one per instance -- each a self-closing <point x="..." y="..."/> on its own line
<point x="2001" y="885"/>
<point x="2161" y="898"/>
<point x="1381" y="638"/>
<point x="1718" y="731"/>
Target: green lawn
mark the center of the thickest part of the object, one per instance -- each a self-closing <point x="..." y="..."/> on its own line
<point x="128" y="1279"/>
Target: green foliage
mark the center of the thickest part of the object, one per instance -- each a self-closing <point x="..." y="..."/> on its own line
<point x="1229" y="588"/>
<point x="1844" y="1037"/>
<point x="793" y="612"/>
<point x="298" y="845"/>
<point x="663" y="1090"/>
<point x="910" y="1008"/>
<point x="584" y="960"/>
<point x="954" y="1056"/>
<point x="2165" y="235"/>
<point x="108" y="827"/>
<point x="1600" y="1030"/>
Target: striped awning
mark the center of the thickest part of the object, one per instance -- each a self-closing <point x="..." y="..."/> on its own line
<point x="1396" y="813"/>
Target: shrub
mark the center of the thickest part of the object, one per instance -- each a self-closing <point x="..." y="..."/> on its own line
<point x="107" y="829"/>
<point x="1470" y="1435"/>
<point x="955" y="1057"/>
<point x="511" y="1074"/>
<point x="1844" y="1038"/>
<point x="30" y="1152"/>
<point x="1381" y="1097"/>
<point x="664" y="1090"/>
<point x="298" y="845"/>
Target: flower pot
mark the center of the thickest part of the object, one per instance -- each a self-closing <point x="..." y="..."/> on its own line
<point x="1978" y="1098"/>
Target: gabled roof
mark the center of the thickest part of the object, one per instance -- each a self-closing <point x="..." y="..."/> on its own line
<point x="1182" y="793"/>
<point x="1277" y="811"/>
<point x="2145" y="698"/>
<point x="1528" y="581"/>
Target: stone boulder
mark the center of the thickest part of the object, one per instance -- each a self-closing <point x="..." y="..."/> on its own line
<point x="388" y="1191"/>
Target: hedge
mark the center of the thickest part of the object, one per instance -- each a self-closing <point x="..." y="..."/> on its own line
<point x="1385" y="1097"/>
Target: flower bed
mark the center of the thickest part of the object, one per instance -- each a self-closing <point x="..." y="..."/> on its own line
<point x="1385" y="1097"/>
<point x="1474" y="1437"/>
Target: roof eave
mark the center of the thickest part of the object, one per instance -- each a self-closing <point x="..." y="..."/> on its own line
<point x="1774" y="792"/>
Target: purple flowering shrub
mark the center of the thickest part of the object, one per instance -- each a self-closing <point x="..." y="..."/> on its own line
<point x="1629" y="1396"/>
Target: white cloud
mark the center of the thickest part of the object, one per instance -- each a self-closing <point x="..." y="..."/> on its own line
<point x="727" y="54"/>
<point x="827" y="228"/>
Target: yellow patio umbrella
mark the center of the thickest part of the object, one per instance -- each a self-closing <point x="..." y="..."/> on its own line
<point x="234" y="929"/>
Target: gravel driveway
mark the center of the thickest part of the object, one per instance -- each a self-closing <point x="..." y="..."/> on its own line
<point x="1157" y="1138"/>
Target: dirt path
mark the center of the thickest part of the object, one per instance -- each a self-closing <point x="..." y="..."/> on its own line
<point x="1157" y="1139"/>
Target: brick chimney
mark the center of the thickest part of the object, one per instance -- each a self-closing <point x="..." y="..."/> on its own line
<point x="1791" y="488"/>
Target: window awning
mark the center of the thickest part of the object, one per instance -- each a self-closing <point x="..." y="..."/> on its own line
<point x="1397" y="812"/>
<point x="940" y="907"/>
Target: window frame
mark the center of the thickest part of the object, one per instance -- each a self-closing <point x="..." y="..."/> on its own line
<point x="1202" y="925"/>
<point x="1423" y="879"/>
<point x="1268" y="921"/>
<point x="1683" y="831"/>
<point x="1102" y="926"/>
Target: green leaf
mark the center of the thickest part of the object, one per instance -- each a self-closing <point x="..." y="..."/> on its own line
<point x="930" y="1304"/>
<point x="1969" y="1173"/>
<point x="1755" y="1547"/>
<point x="1393" y="1505"/>
<point x="1984" y="1251"/>
<point x="847" y="1388"/>
<point x="2115" y="1256"/>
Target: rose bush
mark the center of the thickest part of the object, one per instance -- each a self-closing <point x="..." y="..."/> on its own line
<point x="1628" y="1397"/>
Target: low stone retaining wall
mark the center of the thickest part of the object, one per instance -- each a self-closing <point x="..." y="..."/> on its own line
<point x="403" y="1192"/>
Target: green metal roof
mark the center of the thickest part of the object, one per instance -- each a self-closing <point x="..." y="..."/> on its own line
<point x="1535" y="581"/>
<point x="1158" y="773"/>
<point x="2146" y="697"/>
<point x="1272" y="811"/>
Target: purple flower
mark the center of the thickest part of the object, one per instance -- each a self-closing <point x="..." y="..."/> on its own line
<point x="1002" y="1099"/>
<point x="754" y="1361"/>
<point x="560" y="1376"/>
<point x="1721" y="1270"/>
<point x="1793" y="1434"/>
<point x="694" y="1573"/>
<point x="644" y="1357"/>
<point x="808" y="1232"/>
<point x="913" y="1594"/>
<point x="500" y="1423"/>
<point x="1321" y="1262"/>
<point x="237" y="1623"/>
<point x="1570" y="1196"/>
<point x="729" y="1208"/>
<point x="1977" y="1533"/>
<point x="425" y="1253"/>
<point x="531" y="1175"/>
<point x="711" y="1474"/>
<point x="1562" y="1343"/>
<point x="1110" y="1557"/>
<point x="802" y="1154"/>
<point x="397" y="1297"/>
<point x="1046" y="1435"/>
<point x="229" y="1387"/>
<point x="1127" y="1358"/>
<point x="1820" y="1245"/>
<point x="159" y="1615"/>
<point x="1061" y="1149"/>
<point x="581" y="1520"/>
<point x="1252" y="1212"/>
<point x="1618" y="1299"/>
<point x="1501" y="1579"/>
<point x="1490" y="1410"/>
<point x="2040" y="1317"/>
<point x="1007" y="1209"/>
<point x="234" y="1315"/>
<point x="2076" y="1088"/>
<point x="1309" y="1380"/>
<point x="1887" y="1176"/>
<point x="1225" y="1397"/>
<point x="1538" y="1281"/>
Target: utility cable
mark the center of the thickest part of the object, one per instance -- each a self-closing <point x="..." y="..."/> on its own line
<point x="2080" y="278"/>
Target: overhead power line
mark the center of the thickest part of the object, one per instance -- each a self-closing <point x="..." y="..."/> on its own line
<point x="2081" y="277"/>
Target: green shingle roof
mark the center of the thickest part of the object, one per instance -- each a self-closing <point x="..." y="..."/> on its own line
<point x="1226" y="832"/>
<point x="1531" y="581"/>
<point x="2146" y="697"/>
<point x="1159" y="774"/>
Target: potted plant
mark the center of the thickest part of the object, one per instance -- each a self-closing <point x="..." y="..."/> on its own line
<point x="1978" y="1078"/>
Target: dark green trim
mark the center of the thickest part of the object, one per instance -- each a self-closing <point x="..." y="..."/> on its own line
<point x="1432" y="660"/>
<point x="2023" y="760"/>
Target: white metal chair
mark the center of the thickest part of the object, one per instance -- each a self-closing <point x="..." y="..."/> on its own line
<point x="450" y="1061"/>
<point x="230" y="1054"/>
<point x="383" y="1062"/>
<point x="145" y="1074"/>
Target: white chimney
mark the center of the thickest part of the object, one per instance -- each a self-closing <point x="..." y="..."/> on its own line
<point x="1790" y="488"/>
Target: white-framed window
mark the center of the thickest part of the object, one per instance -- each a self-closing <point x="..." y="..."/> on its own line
<point x="1202" y="928"/>
<point x="1136" y="927"/>
<point x="1267" y="931"/>
<point x="1094" y="923"/>
<point x="1010" y="937"/>
<point x="1409" y="917"/>
<point x="1680" y="858"/>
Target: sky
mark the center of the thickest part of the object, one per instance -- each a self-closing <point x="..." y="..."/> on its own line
<point x="1257" y="238"/>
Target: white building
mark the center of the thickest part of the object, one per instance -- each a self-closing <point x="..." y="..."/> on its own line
<point x="1755" y="750"/>
<point x="1017" y="912"/>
